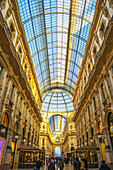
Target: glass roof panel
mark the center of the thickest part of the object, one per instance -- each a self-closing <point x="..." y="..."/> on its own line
<point x="57" y="32"/>
<point x="57" y="101"/>
<point x="57" y="124"/>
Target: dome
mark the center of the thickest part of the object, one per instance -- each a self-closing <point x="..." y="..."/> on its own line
<point x="57" y="101"/>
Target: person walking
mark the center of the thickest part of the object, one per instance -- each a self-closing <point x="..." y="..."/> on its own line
<point x="104" y="166"/>
<point x="82" y="165"/>
<point x="77" y="164"/>
<point x="51" y="165"/>
<point x="61" y="164"/>
<point x="85" y="162"/>
<point x="38" y="164"/>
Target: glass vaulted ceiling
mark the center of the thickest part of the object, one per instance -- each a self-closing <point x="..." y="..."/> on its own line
<point x="57" y="32"/>
<point x="57" y="102"/>
<point x="57" y="124"/>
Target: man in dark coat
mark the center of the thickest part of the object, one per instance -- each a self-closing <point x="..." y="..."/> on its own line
<point x="51" y="165"/>
<point x="77" y="164"/>
<point x="85" y="162"/>
<point x="38" y="164"/>
<point x="104" y="166"/>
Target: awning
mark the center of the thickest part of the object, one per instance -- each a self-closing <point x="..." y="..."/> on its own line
<point x="87" y="148"/>
<point x="28" y="148"/>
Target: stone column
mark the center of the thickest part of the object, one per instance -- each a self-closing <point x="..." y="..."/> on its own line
<point x="17" y="152"/>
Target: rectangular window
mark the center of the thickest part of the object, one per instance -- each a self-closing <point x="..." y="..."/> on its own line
<point x="20" y="104"/>
<point x="89" y="111"/>
<point x="103" y="91"/>
<point x="12" y="91"/>
<point x="95" y="107"/>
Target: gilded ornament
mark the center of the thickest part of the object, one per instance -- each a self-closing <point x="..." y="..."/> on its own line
<point x="3" y="4"/>
<point x="106" y="12"/>
<point x="110" y="3"/>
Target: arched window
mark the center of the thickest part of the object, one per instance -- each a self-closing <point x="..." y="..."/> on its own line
<point x="87" y="137"/>
<point x="12" y="30"/>
<point x="23" y="132"/>
<point x="89" y="68"/>
<point x="5" y="120"/>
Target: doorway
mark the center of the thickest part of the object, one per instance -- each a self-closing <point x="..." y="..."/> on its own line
<point x="57" y="152"/>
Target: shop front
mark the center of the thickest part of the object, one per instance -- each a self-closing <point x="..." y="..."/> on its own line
<point x="90" y="154"/>
<point x="29" y="155"/>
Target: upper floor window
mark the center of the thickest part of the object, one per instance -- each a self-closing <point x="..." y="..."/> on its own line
<point x="20" y="104"/>
<point x="102" y="28"/>
<point x="43" y="141"/>
<point x="88" y="111"/>
<point x="5" y="120"/>
<point x="12" y="92"/>
<point x="103" y="91"/>
<point x="95" y="51"/>
<point x="95" y="107"/>
<point x="12" y="29"/>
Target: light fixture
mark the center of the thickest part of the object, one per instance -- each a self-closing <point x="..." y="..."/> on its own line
<point x="99" y="136"/>
<point x="16" y="136"/>
<point x="3" y="130"/>
<point x="91" y="140"/>
<point x="85" y="143"/>
<point x="24" y="140"/>
<point x="29" y="143"/>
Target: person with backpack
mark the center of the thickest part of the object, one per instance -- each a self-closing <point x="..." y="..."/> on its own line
<point x="104" y="166"/>
<point x="77" y="164"/>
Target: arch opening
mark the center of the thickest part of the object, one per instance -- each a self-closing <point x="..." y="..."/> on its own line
<point x="57" y="152"/>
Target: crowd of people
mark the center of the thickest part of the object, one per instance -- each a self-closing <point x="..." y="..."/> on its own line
<point x="58" y="164"/>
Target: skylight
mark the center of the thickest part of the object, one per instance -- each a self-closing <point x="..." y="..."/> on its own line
<point x="57" y="32"/>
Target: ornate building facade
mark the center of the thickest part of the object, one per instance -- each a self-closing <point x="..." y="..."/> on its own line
<point x="93" y="99"/>
<point x="85" y="132"/>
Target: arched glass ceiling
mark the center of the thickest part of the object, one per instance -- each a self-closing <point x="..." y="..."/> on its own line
<point x="57" y="101"/>
<point x="57" y="124"/>
<point x="57" y="32"/>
